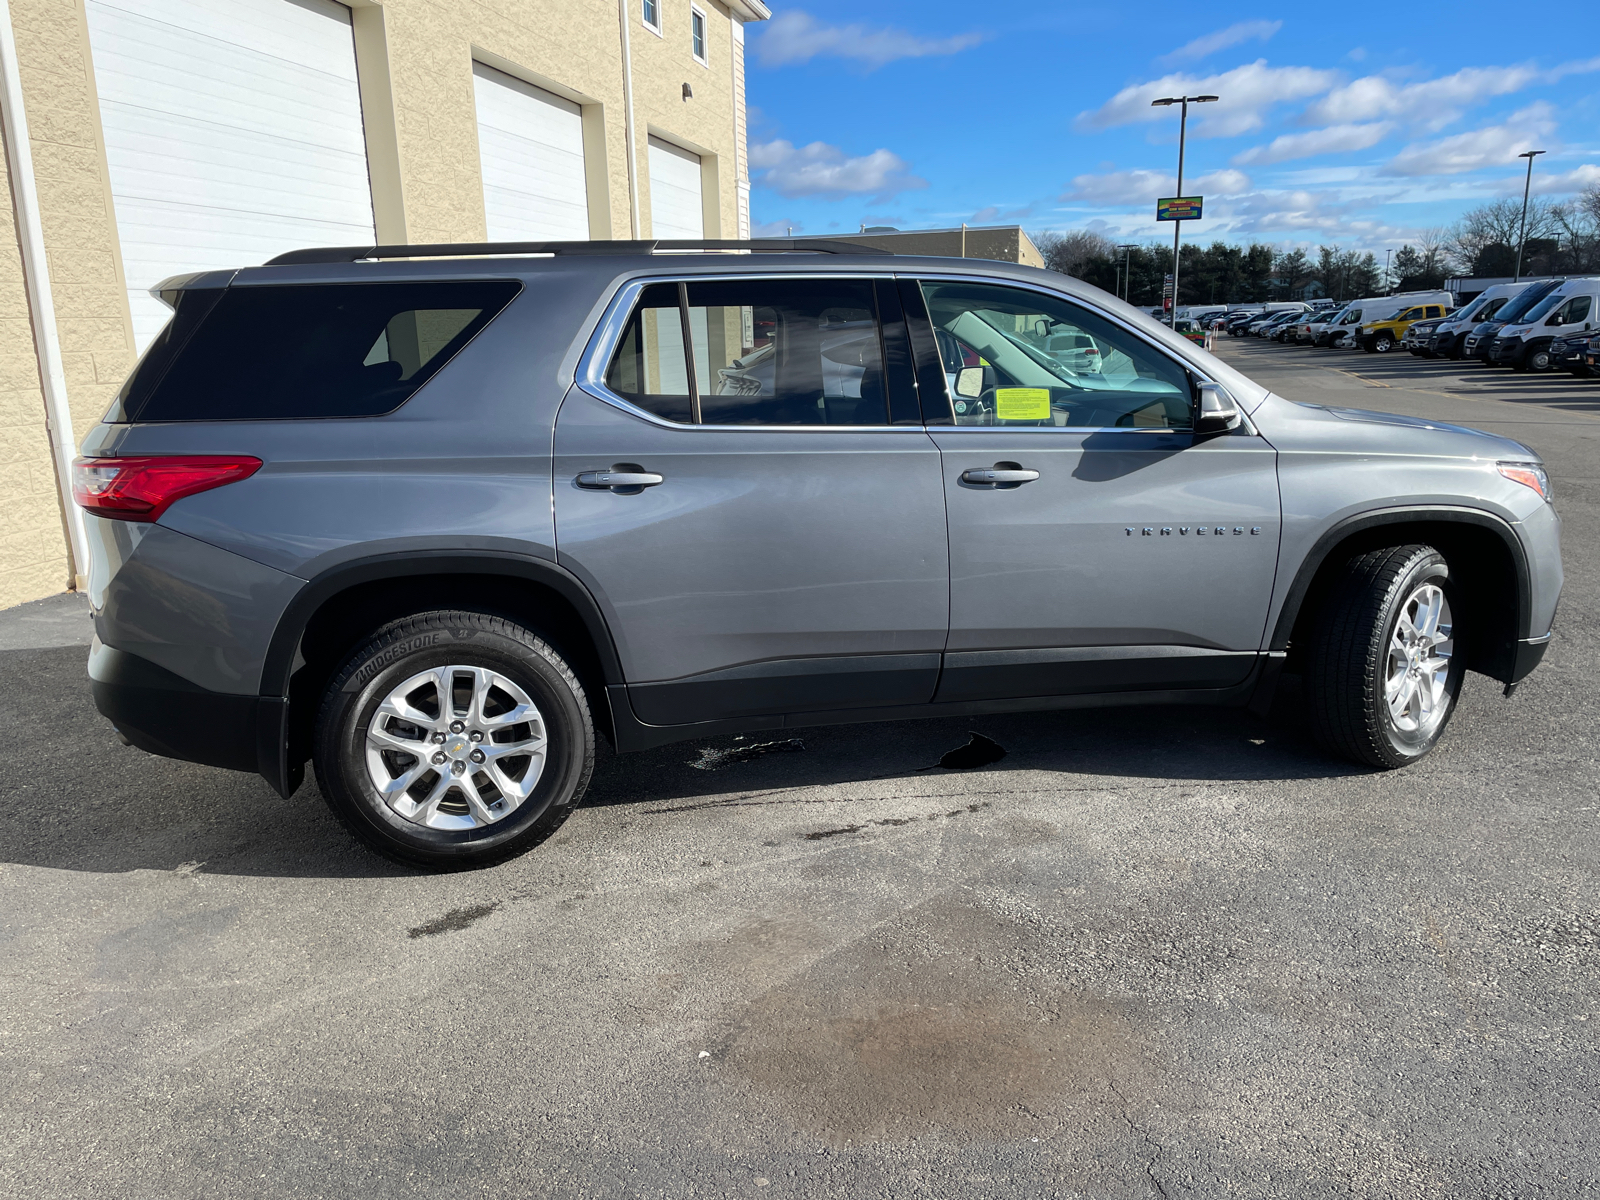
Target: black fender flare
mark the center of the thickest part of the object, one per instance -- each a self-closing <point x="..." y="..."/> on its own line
<point x="272" y="734"/>
<point x="1360" y="522"/>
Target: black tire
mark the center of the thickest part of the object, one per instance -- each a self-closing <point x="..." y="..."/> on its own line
<point x="1348" y="658"/>
<point x="1382" y="344"/>
<point x="1538" y="360"/>
<point x="437" y="639"/>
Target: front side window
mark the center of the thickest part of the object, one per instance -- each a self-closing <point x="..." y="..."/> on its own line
<point x="697" y="31"/>
<point x="307" y="350"/>
<point x="1015" y="357"/>
<point x="761" y="352"/>
<point x="652" y="14"/>
<point x="1573" y="311"/>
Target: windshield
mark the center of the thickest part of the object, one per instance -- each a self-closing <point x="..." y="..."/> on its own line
<point x="1470" y="312"/>
<point x="1544" y="306"/>
<point x="1517" y="305"/>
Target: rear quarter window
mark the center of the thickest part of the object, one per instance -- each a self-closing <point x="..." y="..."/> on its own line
<point x="300" y="351"/>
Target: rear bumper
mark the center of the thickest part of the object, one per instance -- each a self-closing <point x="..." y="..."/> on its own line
<point x="1530" y="652"/>
<point x="163" y="713"/>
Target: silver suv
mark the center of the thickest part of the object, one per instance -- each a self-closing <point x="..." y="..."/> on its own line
<point x="431" y="516"/>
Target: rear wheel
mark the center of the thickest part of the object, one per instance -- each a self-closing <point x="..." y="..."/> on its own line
<point x="454" y="739"/>
<point x="1382" y="674"/>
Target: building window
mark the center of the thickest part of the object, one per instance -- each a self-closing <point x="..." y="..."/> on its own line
<point x="697" y="30"/>
<point x="652" y="14"/>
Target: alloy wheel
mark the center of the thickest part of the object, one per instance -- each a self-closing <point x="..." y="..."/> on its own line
<point x="1420" y="647"/>
<point x="455" y="747"/>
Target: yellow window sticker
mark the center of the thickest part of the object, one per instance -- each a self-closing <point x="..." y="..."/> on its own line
<point x="1022" y="404"/>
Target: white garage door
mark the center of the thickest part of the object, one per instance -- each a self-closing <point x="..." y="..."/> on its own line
<point x="233" y="133"/>
<point x="675" y="207"/>
<point x="530" y="148"/>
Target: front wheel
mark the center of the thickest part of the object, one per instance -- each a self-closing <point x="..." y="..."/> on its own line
<point x="1539" y="360"/>
<point x="453" y="739"/>
<point x="1382" y="344"/>
<point x="1382" y="673"/>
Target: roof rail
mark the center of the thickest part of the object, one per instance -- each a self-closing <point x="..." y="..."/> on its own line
<point x="344" y="254"/>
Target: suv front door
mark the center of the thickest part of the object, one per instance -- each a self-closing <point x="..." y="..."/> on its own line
<point x="760" y="518"/>
<point x="1096" y="543"/>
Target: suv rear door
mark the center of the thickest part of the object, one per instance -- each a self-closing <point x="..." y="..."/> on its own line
<point x="792" y="555"/>
<point x="1116" y="551"/>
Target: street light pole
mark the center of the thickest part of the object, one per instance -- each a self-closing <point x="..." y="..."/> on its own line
<point x="1388" y="283"/>
<point x="1177" y="226"/>
<point x="1126" y="249"/>
<point x="1522" y="238"/>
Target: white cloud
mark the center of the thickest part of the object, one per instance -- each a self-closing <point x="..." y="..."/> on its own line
<point x="1491" y="146"/>
<point x="797" y="37"/>
<point x="1567" y="182"/>
<point x="1246" y="92"/>
<point x="779" y="228"/>
<point x="1210" y="43"/>
<point x="1336" y="139"/>
<point x="1146" y="187"/>
<point x="823" y="170"/>
<point x="1432" y="103"/>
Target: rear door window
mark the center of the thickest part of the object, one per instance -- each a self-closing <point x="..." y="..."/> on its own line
<point x="305" y="350"/>
<point x="755" y="352"/>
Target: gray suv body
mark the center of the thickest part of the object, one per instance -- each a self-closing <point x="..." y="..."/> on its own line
<point x="431" y="522"/>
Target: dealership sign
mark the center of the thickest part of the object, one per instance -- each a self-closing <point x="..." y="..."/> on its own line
<point x="1179" y="208"/>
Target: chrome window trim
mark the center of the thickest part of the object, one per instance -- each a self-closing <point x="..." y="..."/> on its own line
<point x="590" y="375"/>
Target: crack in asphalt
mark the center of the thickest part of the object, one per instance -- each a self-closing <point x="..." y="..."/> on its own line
<point x="1133" y="1127"/>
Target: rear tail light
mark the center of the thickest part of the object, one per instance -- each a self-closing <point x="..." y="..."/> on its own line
<point x="141" y="489"/>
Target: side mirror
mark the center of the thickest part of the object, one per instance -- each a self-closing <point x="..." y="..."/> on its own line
<point x="1217" y="410"/>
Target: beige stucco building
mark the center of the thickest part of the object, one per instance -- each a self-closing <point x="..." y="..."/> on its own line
<point x="149" y="137"/>
<point x="1007" y="243"/>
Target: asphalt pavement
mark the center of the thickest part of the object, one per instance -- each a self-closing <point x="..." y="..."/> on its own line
<point x="1162" y="952"/>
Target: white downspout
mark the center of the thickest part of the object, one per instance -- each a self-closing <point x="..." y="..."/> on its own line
<point x="627" y="119"/>
<point x="41" y="305"/>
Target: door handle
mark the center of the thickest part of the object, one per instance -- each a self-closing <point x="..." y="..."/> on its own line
<point x="998" y="475"/>
<point x="619" y="479"/>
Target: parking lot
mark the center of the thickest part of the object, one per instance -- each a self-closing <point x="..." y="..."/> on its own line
<point x="1161" y="952"/>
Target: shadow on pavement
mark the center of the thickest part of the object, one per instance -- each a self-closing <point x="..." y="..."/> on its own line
<point x="73" y="797"/>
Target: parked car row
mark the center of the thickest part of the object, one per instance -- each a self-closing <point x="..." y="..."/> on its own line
<point x="1533" y="325"/>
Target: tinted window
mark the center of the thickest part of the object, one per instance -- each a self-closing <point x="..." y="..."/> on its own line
<point x="765" y="352"/>
<point x="316" y="350"/>
<point x="1014" y="357"/>
<point x="787" y="352"/>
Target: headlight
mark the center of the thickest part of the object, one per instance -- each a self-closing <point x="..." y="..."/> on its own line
<point x="1529" y="474"/>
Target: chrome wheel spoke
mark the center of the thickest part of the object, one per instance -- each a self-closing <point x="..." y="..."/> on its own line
<point x="463" y="743"/>
<point x="388" y="740"/>
<point x="403" y="782"/>
<point x="1415" y="687"/>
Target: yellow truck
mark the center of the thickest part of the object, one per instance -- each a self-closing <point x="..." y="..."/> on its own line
<point x="1384" y="334"/>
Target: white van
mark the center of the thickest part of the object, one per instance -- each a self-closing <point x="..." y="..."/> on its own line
<point x="1449" y="334"/>
<point x="1342" y="328"/>
<point x="1570" y="308"/>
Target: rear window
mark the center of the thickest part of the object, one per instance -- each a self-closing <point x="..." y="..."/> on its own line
<point x="313" y="350"/>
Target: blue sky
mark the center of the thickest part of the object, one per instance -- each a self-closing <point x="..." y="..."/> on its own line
<point x="1331" y="128"/>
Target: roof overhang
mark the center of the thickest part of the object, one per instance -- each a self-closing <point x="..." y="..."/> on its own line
<point x="749" y="10"/>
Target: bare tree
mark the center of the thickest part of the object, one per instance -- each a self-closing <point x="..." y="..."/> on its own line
<point x="1578" y="228"/>
<point x="1484" y="236"/>
<point x="1072" y="253"/>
